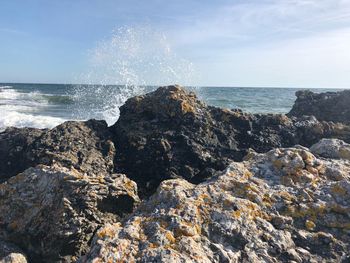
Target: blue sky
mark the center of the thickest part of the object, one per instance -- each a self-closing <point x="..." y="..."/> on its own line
<point x="285" y="43"/>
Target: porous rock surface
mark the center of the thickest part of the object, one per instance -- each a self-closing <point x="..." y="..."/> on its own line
<point x="83" y="145"/>
<point x="332" y="148"/>
<point x="53" y="212"/>
<point x="169" y="133"/>
<point x="328" y="106"/>
<point x="282" y="206"/>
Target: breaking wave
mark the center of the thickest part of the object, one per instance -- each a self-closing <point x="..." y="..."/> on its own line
<point x="22" y="109"/>
<point x="122" y="66"/>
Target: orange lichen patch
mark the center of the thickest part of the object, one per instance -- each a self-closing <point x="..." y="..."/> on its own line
<point x="231" y="173"/>
<point x="198" y="229"/>
<point x="106" y="232"/>
<point x="164" y="224"/>
<point x="312" y="170"/>
<point x="205" y="197"/>
<point x="153" y="245"/>
<point x="227" y="202"/>
<point x="129" y="184"/>
<point x="277" y="164"/>
<point x="13" y="225"/>
<point x="170" y="237"/>
<point x="307" y="157"/>
<point x="236" y="214"/>
<point x="314" y="182"/>
<point x="250" y="211"/>
<point x="187" y="107"/>
<point x="187" y="231"/>
<point x="97" y="260"/>
<point x="339" y="190"/>
<point x="267" y="200"/>
<point x="248" y="175"/>
<point x="311" y="212"/>
<point x="310" y="225"/>
<point x="101" y="180"/>
<point x="137" y="221"/>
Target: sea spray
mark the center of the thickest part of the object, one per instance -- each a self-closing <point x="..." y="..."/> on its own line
<point x="134" y="60"/>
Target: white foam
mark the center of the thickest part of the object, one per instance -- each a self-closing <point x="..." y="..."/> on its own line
<point x="17" y="119"/>
<point x="17" y="109"/>
<point x="9" y="94"/>
<point x="133" y="57"/>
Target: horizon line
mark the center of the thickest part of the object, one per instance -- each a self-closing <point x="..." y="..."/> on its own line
<point x="189" y="86"/>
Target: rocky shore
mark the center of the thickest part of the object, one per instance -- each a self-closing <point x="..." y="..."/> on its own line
<point x="176" y="180"/>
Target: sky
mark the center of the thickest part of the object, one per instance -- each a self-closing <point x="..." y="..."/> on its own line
<point x="255" y="43"/>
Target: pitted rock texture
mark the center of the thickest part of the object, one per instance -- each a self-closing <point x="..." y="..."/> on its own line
<point x="169" y="133"/>
<point x="282" y="206"/>
<point x="53" y="212"/>
<point x="332" y="148"/>
<point x="82" y="145"/>
<point x="11" y="254"/>
<point x="328" y="106"/>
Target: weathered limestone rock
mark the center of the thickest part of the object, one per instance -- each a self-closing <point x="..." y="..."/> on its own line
<point x="82" y="145"/>
<point x="281" y="206"/>
<point x="329" y="106"/>
<point x="11" y="254"/>
<point x="332" y="148"/>
<point x="53" y="212"/>
<point x="169" y="133"/>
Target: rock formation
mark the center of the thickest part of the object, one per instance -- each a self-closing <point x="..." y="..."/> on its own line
<point x="169" y="133"/>
<point x="332" y="148"/>
<point x="59" y="189"/>
<point x="329" y="106"/>
<point x="219" y="185"/>
<point x="82" y="145"/>
<point x="282" y="206"/>
<point x="53" y="212"/>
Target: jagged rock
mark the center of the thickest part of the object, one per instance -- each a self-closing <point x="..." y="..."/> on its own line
<point x="332" y="148"/>
<point x="169" y="133"/>
<point x="281" y="206"/>
<point x="11" y="254"/>
<point x="52" y="212"/>
<point x="328" y="106"/>
<point x="82" y="145"/>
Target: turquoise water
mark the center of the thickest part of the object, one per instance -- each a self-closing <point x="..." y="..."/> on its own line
<point x="47" y="105"/>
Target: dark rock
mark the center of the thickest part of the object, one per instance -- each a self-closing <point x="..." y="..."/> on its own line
<point x="53" y="212"/>
<point x="329" y="106"/>
<point x="9" y="253"/>
<point x="169" y="133"/>
<point x="82" y="145"/>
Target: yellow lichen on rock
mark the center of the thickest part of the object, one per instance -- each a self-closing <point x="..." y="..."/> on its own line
<point x="310" y="225"/>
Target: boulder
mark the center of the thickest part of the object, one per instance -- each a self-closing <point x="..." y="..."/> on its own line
<point x="280" y="206"/>
<point x="53" y="212"/>
<point x="82" y="145"/>
<point x="332" y="148"/>
<point x="11" y="254"/>
<point x="328" y="106"/>
<point x="169" y="133"/>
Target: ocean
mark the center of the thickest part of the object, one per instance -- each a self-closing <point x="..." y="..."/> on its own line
<point x="47" y="105"/>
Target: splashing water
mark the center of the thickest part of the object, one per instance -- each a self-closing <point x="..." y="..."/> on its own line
<point x="132" y="61"/>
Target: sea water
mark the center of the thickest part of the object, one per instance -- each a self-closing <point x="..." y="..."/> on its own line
<point x="134" y="56"/>
<point x="47" y="105"/>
